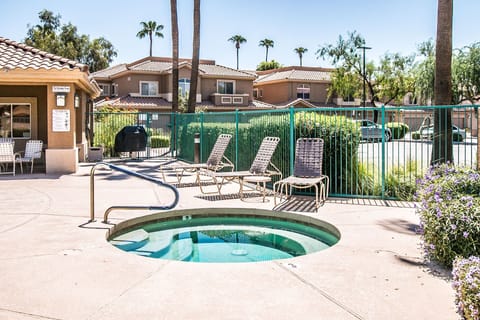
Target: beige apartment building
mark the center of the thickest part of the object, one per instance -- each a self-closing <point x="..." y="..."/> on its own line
<point x="146" y="85"/>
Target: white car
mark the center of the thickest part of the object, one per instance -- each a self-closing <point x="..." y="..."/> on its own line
<point x="458" y="134"/>
<point x="372" y="131"/>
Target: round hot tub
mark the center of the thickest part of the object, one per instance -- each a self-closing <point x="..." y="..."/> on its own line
<point x="223" y="235"/>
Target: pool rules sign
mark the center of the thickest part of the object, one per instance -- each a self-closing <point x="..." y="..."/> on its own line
<point x="60" y="120"/>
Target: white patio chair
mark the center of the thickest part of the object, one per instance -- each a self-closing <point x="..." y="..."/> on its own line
<point x="7" y="156"/>
<point x="33" y="150"/>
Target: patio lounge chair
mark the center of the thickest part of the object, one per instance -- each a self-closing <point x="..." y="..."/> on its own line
<point x="307" y="171"/>
<point x="7" y="156"/>
<point x="260" y="167"/>
<point x="215" y="162"/>
<point x="33" y="150"/>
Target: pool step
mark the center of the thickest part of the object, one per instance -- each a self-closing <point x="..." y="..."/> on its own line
<point x="131" y="241"/>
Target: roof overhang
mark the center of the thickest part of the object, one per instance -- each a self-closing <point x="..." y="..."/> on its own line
<point x="42" y="77"/>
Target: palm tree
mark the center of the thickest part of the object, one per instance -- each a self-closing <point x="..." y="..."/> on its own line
<point x="267" y="43"/>
<point x="442" y="148"/>
<point x="150" y="29"/>
<point x="300" y="51"/>
<point x="192" y="96"/>
<point x="237" y="39"/>
<point x="174" y="19"/>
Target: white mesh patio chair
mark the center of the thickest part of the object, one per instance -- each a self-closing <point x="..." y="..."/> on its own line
<point x="307" y="171"/>
<point x="215" y="162"/>
<point x="7" y="157"/>
<point x="261" y="166"/>
<point x="33" y="150"/>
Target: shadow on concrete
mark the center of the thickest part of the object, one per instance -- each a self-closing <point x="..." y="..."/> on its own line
<point x="400" y="226"/>
<point x="298" y="204"/>
<point x="373" y="202"/>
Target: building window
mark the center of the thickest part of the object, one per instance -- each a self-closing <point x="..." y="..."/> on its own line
<point x="225" y="86"/>
<point x="303" y="92"/>
<point x="148" y="88"/>
<point x="15" y="121"/>
<point x="183" y="87"/>
<point x="114" y="89"/>
<point x="105" y="89"/>
<point x="257" y="93"/>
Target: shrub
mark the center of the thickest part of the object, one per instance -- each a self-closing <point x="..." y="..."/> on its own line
<point x="466" y="282"/>
<point x="107" y="125"/>
<point x="416" y="135"/>
<point x="449" y="213"/>
<point x="159" y="141"/>
<point x="398" y="129"/>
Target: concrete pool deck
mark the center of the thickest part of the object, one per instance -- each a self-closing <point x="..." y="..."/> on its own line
<point x="55" y="265"/>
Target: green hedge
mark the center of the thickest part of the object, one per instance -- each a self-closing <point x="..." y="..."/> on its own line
<point x="398" y="129"/>
<point x="159" y="141"/>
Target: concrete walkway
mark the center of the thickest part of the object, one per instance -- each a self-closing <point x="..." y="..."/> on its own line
<point x="55" y="265"/>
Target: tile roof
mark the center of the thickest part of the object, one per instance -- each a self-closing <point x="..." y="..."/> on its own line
<point x="145" y="65"/>
<point x="134" y="102"/>
<point x="294" y="74"/>
<point x="110" y="71"/>
<point x="14" y="55"/>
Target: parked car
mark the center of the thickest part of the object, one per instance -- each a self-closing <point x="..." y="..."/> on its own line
<point x="369" y="130"/>
<point x="457" y="133"/>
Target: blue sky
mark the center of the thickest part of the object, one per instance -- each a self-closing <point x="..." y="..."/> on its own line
<point x="387" y="25"/>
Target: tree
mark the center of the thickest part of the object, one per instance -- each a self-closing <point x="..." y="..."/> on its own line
<point x="442" y="146"/>
<point x="387" y="83"/>
<point x="237" y="39"/>
<point x="268" y="65"/>
<point x="424" y="73"/>
<point x="192" y="96"/>
<point x="64" y="40"/>
<point x="300" y="51"/>
<point x="466" y="74"/>
<point x="174" y="21"/>
<point x="393" y="77"/>
<point x="150" y="29"/>
<point x="267" y="43"/>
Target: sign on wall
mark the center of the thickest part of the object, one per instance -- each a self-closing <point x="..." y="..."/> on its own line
<point x="62" y="89"/>
<point x="60" y="120"/>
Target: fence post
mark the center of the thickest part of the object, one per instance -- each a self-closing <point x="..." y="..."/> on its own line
<point x="201" y="137"/>
<point x="236" y="138"/>
<point x="383" y="151"/>
<point x="149" y="133"/>
<point x="292" y="138"/>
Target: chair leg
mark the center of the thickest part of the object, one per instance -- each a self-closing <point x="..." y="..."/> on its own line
<point x="31" y="169"/>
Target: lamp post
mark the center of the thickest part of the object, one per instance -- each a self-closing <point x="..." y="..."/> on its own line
<point x="364" y="74"/>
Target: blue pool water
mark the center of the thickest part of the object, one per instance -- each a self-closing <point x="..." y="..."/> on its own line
<point x="223" y="239"/>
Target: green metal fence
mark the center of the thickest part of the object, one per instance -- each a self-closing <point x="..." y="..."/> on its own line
<point x="382" y="160"/>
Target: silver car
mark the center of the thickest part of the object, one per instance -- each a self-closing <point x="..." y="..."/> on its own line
<point x="459" y="134"/>
<point x="369" y="130"/>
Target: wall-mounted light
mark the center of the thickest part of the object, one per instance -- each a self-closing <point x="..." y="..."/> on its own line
<point x="77" y="101"/>
<point x="61" y="99"/>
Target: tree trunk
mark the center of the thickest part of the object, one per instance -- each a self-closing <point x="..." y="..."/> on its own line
<point x="173" y="10"/>
<point x="442" y="148"/>
<point x="237" y="57"/>
<point x="192" y="98"/>
<point x="151" y="41"/>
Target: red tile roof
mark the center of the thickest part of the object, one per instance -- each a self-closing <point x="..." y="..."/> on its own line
<point x="14" y="55"/>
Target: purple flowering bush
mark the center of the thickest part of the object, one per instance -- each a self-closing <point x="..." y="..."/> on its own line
<point x="466" y="282"/>
<point x="449" y="210"/>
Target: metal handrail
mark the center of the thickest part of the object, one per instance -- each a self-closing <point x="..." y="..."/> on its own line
<point x="130" y="173"/>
